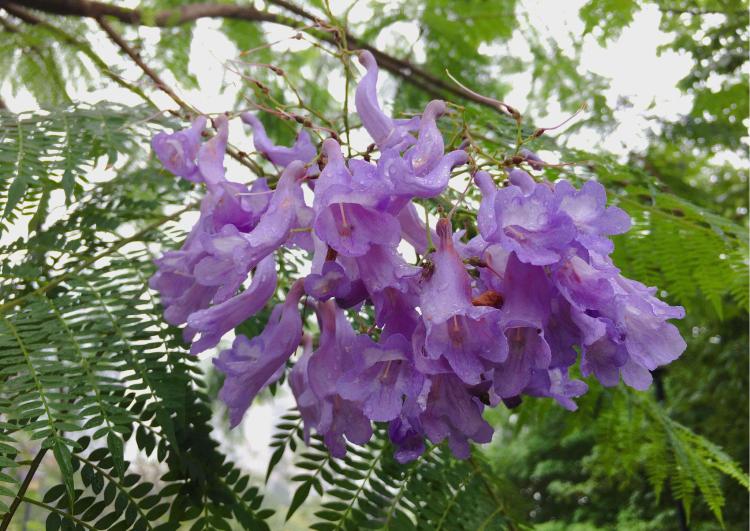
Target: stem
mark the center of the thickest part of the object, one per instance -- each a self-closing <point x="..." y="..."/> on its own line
<point x="162" y="85"/>
<point x="489" y="490"/>
<point x="58" y="511"/>
<point x="24" y="487"/>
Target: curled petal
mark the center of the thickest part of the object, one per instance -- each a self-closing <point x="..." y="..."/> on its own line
<point x="428" y="150"/>
<point x="216" y="321"/>
<point x="177" y="151"/>
<point x="211" y="154"/>
<point x="302" y="150"/>
<point x="386" y="132"/>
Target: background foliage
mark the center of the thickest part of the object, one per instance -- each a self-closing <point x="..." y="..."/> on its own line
<point x="105" y="422"/>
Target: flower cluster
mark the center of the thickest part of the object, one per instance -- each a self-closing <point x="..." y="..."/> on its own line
<point x="473" y="324"/>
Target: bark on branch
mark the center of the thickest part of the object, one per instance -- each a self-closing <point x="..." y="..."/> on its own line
<point x="431" y="84"/>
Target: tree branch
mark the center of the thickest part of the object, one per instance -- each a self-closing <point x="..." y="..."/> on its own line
<point x="161" y="85"/>
<point x="22" y="491"/>
<point x="29" y="18"/>
<point x="136" y="57"/>
<point x="431" y="84"/>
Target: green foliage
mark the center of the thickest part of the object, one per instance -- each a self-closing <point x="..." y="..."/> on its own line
<point x="610" y="16"/>
<point x="84" y="349"/>
<point x="44" y="152"/>
<point x="639" y="430"/>
<point x="369" y="489"/>
<point x="623" y="444"/>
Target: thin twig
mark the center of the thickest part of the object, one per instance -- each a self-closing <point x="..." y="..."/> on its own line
<point x="236" y="154"/>
<point x="24" y="487"/>
<point x="431" y="84"/>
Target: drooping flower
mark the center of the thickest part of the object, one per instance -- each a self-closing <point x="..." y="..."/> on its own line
<point x="219" y="319"/>
<point x="177" y="151"/>
<point x="555" y="383"/>
<point x="526" y="309"/>
<point x="252" y="364"/>
<point x="468" y="337"/>
<point x="452" y="413"/>
<point x="384" y="130"/>
<point x="381" y="377"/>
<point x="337" y="418"/>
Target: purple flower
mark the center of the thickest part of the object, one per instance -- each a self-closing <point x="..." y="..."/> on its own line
<point x="585" y="286"/>
<point x="429" y="149"/>
<point x="177" y="151"/>
<point x="219" y="319"/>
<point x="408" y="440"/>
<point x="385" y="131"/>
<point x="453" y="413"/>
<point x="555" y="383"/>
<point x="252" y="364"/>
<point x="233" y="253"/>
<point x="229" y="203"/>
<point x="650" y="341"/>
<point x="337" y="417"/>
<point x="407" y="184"/>
<point x="302" y="150"/>
<point x="381" y="377"/>
<point x="593" y="219"/>
<point x="307" y="403"/>
<point x="348" y="218"/>
<point x="467" y="336"/>
<point x="211" y="154"/>
<point x="527" y="352"/>
<point x="478" y="322"/>
<point x="331" y="282"/>
<point x="527" y="223"/>
<point x="526" y="308"/>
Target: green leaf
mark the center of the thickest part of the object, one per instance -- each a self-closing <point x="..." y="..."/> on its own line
<point x="298" y="499"/>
